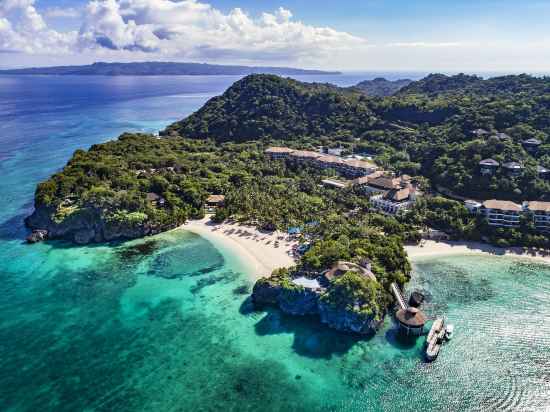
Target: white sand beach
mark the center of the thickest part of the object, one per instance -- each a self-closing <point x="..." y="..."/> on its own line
<point x="431" y="248"/>
<point x="263" y="251"/>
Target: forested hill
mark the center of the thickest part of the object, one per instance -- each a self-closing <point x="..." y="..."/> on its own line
<point x="161" y="69"/>
<point x="272" y="107"/>
<point x="425" y="129"/>
<point x="381" y="87"/>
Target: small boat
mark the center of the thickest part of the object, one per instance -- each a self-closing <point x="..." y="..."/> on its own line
<point x="449" y="331"/>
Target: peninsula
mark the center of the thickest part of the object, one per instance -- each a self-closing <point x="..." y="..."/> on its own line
<point x="163" y="69"/>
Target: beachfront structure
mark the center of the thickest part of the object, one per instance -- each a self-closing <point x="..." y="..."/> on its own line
<point x="394" y="201"/>
<point x="531" y="145"/>
<point x="411" y="320"/>
<point x="276" y="152"/>
<point x="341" y="267"/>
<point x="347" y="167"/>
<point x="488" y="166"/>
<point x="513" y="169"/>
<point x="213" y="202"/>
<point x="502" y="213"/>
<point x="541" y="214"/>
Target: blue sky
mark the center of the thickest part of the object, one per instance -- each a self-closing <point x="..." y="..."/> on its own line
<point x="426" y="35"/>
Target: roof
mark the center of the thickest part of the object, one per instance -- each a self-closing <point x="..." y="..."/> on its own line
<point x="330" y="159"/>
<point x="411" y="317"/>
<point x="153" y="197"/>
<point x="305" y="153"/>
<point x="502" y="205"/>
<point x="539" y="206"/>
<point x="542" y="169"/>
<point x="366" y="179"/>
<point x="398" y="195"/>
<point x="341" y="267"/>
<point x="532" y="142"/>
<point x="512" y="165"/>
<point x="489" y="162"/>
<point x="215" y="199"/>
<point x="387" y="182"/>
<point x="277" y="149"/>
<point x="335" y="183"/>
<point x="360" y="164"/>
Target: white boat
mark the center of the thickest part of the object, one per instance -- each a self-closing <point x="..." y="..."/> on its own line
<point x="449" y="331"/>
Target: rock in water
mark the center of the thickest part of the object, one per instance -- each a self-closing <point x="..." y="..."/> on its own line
<point x="37" y="236"/>
<point x="416" y="299"/>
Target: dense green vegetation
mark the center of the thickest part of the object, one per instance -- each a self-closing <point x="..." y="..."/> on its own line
<point x="353" y="292"/>
<point x="381" y="87"/>
<point x="425" y="129"/>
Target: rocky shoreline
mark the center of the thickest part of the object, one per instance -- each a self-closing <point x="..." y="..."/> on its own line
<point x="301" y="301"/>
<point x="86" y="228"/>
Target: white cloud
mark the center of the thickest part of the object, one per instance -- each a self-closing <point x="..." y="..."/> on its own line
<point x="184" y="29"/>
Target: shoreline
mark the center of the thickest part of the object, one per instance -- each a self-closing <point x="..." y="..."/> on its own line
<point x="262" y="252"/>
<point x="432" y="248"/>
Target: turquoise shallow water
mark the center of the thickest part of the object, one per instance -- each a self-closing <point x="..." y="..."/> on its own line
<point x="164" y="323"/>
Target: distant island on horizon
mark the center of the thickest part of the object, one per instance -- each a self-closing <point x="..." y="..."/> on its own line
<point x="163" y="69"/>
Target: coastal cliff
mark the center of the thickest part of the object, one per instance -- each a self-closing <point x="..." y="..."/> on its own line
<point x="88" y="226"/>
<point x="350" y="303"/>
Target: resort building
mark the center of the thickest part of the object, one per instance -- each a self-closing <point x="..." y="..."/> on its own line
<point x="213" y="202"/>
<point x="488" y="166"/>
<point x="384" y="183"/>
<point x="278" y="152"/>
<point x="348" y="167"/>
<point x="541" y="215"/>
<point x="304" y="155"/>
<point x="394" y="201"/>
<point x="502" y="213"/>
<point x="341" y="267"/>
<point x="155" y="200"/>
<point x="531" y="145"/>
<point x="513" y="169"/>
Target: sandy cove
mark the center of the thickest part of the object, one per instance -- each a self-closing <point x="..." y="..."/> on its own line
<point x="431" y="248"/>
<point x="262" y="251"/>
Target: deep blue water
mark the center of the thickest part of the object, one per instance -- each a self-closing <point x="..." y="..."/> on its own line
<point x="163" y="324"/>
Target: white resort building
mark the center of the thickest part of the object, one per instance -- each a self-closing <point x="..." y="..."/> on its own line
<point x="541" y="215"/>
<point x="502" y="213"/>
<point x="394" y="201"/>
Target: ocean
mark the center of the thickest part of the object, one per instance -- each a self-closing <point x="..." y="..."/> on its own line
<point x="165" y="323"/>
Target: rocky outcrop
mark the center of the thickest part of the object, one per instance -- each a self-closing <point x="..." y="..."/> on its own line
<point x="37" y="236"/>
<point x="297" y="300"/>
<point x="87" y="226"/>
<point x="347" y="320"/>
